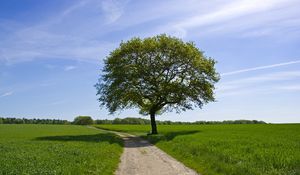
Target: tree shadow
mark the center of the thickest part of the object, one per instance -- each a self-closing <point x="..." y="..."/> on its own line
<point x="149" y="140"/>
<point x="168" y="136"/>
<point x="96" y="138"/>
<point x="127" y="142"/>
<point x="135" y="142"/>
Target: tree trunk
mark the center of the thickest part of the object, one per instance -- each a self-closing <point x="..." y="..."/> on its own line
<point x="153" y="123"/>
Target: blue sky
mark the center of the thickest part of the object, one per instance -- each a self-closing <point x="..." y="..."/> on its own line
<point x="51" y="54"/>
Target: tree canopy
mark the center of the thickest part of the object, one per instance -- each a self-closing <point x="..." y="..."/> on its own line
<point x="157" y="74"/>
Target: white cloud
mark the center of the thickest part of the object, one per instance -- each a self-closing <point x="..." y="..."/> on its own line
<point x="7" y="94"/>
<point x="68" y="68"/>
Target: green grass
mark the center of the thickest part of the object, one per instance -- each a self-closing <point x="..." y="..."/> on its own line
<point x="57" y="149"/>
<point x="228" y="149"/>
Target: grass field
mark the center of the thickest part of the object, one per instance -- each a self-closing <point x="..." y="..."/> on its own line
<point x="57" y="149"/>
<point x="228" y="149"/>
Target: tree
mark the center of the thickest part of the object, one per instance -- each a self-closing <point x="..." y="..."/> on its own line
<point x="156" y="74"/>
<point x="83" y="120"/>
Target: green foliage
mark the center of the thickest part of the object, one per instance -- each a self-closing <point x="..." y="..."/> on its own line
<point x="83" y="120"/>
<point x="228" y="149"/>
<point x="32" y="121"/>
<point x="157" y="74"/>
<point x="57" y="149"/>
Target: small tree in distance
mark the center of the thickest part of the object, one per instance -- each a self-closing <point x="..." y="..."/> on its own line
<point x="83" y="120"/>
<point x="156" y="74"/>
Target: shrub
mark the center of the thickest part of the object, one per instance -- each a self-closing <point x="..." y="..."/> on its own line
<point x="83" y="120"/>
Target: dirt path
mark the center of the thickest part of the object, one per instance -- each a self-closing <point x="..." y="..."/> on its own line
<point x="142" y="158"/>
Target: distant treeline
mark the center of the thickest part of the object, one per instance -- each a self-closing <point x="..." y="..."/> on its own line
<point x="128" y="120"/>
<point x="32" y="121"/>
<point x="141" y="121"/>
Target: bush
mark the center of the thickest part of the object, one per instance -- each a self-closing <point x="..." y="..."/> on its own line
<point x="83" y="120"/>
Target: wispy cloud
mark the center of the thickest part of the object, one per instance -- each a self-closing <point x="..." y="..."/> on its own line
<point x="36" y="43"/>
<point x="7" y="94"/>
<point x="264" y="78"/>
<point x="290" y="87"/>
<point x="46" y="84"/>
<point x="60" y="36"/>
<point x="59" y="102"/>
<point x="85" y="30"/>
<point x="260" y="68"/>
<point x="113" y="10"/>
<point x="263" y="18"/>
<point x="68" y="68"/>
<point x="265" y="83"/>
<point x="74" y="7"/>
<point x="228" y="12"/>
